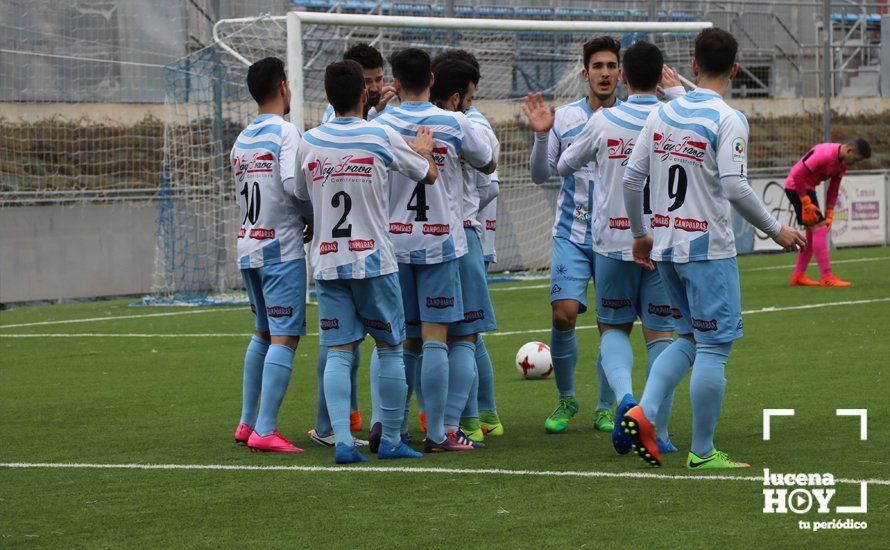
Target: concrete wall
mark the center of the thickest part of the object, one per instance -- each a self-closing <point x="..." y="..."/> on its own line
<point x="54" y="252"/>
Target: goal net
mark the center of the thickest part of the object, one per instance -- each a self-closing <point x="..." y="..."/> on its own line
<point x="207" y="104"/>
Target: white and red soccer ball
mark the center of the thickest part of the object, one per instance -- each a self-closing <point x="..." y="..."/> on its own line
<point x="533" y="360"/>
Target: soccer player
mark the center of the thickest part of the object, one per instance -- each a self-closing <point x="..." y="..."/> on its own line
<point x="625" y="291"/>
<point x="379" y="92"/>
<point x="379" y="95"/>
<point x="571" y="266"/>
<point x="270" y="254"/>
<point x="427" y="231"/>
<point x="693" y="150"/>
<point x="344" y="166"/>
<point x="826" y="161"/>
<point x="454" y="85"/>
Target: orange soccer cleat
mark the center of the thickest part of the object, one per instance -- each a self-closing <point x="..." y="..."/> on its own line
<point x="422" y="418"/>
<point x="355" y="421"/>
<point x="834" y="280"/>
<point x="802" y="280"/>
<point x="642" y="433"/>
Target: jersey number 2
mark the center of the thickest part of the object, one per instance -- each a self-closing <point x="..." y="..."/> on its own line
<point x="338" y="231"/>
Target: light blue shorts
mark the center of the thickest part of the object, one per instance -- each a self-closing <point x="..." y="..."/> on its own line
<point x="348" y="309"/>
<point x="431" y="293"/>
<point x="625" y="291"/>
<point x="706" y="298"/>
<point x="571" y="270"/>
<point x="478" y="311"/>
<point x="277" y="294"/>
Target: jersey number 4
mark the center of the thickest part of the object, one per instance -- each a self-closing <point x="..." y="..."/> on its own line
<point x="417" y="202"/>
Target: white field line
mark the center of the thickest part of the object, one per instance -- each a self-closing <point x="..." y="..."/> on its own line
<point x="123" y="317"/>
<point x="408" y="470"/>
<point x="791" y="266"/>
<point x="489" y="335"/>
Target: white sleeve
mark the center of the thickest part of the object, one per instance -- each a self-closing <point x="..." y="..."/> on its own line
<point x="405" y="160"/>
<point x="732" y="145"/>
<point x="301" y="190"/>
<point x="538" y="162"/>
<point x="582" y="150"/>
<point x="674" y="92"/>
<point x="328" y="113"/>
<point x="474" y="147"/>
<point x="372" y="114"/>
<point x="634" y="178"/>
<point x="287" y="155"/>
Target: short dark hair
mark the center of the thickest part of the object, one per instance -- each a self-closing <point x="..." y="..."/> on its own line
<point x="600" y="44"/>
<point x="452" y="75"/>
<point x="463" y="55"/>
<point x="412" y="67"/>
<point x="643" y="63"/>
<point x="264" y="77"/>
<point x="343" y="84"/>
<point x="365" y="55"/>
<point x="715" y="51"/>
<point x="862" y="147"/>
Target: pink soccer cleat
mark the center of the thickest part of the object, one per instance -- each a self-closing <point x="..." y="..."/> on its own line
<point x="272" y="443"/>
<point x="242" y="434"/>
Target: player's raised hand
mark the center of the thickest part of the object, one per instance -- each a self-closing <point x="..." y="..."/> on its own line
<point x="669" y="77"/>
<point x="642" y="247"/>
<point x="790" y="239"/>
<point x="423" y="144"/>
<point x="386" y="95"/>
<point x="540" y="116"/>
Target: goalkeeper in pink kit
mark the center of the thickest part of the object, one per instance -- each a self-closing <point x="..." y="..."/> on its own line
<point x="825" y="161"/>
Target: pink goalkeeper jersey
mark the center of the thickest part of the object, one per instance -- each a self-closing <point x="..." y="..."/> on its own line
<point x="821" y="163"/>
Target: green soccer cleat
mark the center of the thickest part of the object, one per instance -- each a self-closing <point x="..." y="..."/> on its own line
<point x="603" y="420"/>
<point x="491" y="423"/>
<point x="718" y="459"/>
<point x="472" y="428"/>
<point x="558" y="420"/>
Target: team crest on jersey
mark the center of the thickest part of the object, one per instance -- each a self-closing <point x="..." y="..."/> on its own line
<point x="399" y="228"/>
<point x="360" y="245"/>
<point x="328" y="247"/>
<point x="440" y="302"/>
<point x="582" y="214"/>
<point x="329" y="324"/>
<point x="436" y="229"/>
<point x="439" y="154"/>
<point x="619" y="223"/>
<point x="619" y="149"/>
<point x="690" y="224"/>
<point x="279" y="311"/>
<point x="348" y="167"/>
<point x="662" y="310"/>
<point x="660" y="220"/>
<point x="739" y="149"/>
<point x="686" y="150"/>
<point x="491" y="225"/>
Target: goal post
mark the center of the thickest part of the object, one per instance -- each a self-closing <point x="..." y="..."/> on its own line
<point x="207" y="103"/>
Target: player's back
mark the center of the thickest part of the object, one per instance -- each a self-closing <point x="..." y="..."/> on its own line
<point x="616" y="131"/>
<point x="693" y="141"/>
<point x="263" y="157"/>
<point x="425" y="221"/>
<point x="345" y="166"/>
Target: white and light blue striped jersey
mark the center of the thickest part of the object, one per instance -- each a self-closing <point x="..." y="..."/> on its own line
<point x="425" y="222"/>
<point x="574" y="203"/>
<point x="607" y="140"/>
<point x="474" y="180"/>
<point x="263" y="162"/>
<point x="344" y="168"/>
<point x="685" y="147"/>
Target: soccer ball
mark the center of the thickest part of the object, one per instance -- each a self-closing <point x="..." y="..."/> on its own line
<point x="533" y="360"/>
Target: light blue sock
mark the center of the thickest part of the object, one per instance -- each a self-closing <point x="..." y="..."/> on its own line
<point x="486" y="377"/>
<point x="668" y="370"/>
<point x="434" y="381"/>
<point x="253" y="379"/>
<point x="618" y="360"/>
<point x="411" y="379"/>
<point x="322" y="420"/>
<point x="336" y="391"/>
<point x="706" y="387"/>
<point x="653" y="350"/>
<point x="276" y="376"/>
<point x="605" y="396"/>
<point x="392" y="389"/>
<point x="461" y="371"/>
<point x="418" y="390"/>
<point x="564" y="352"/>
<point x="374" y="373"/>
<point x="471" y="409"/>
<point x="353" y="379"/>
